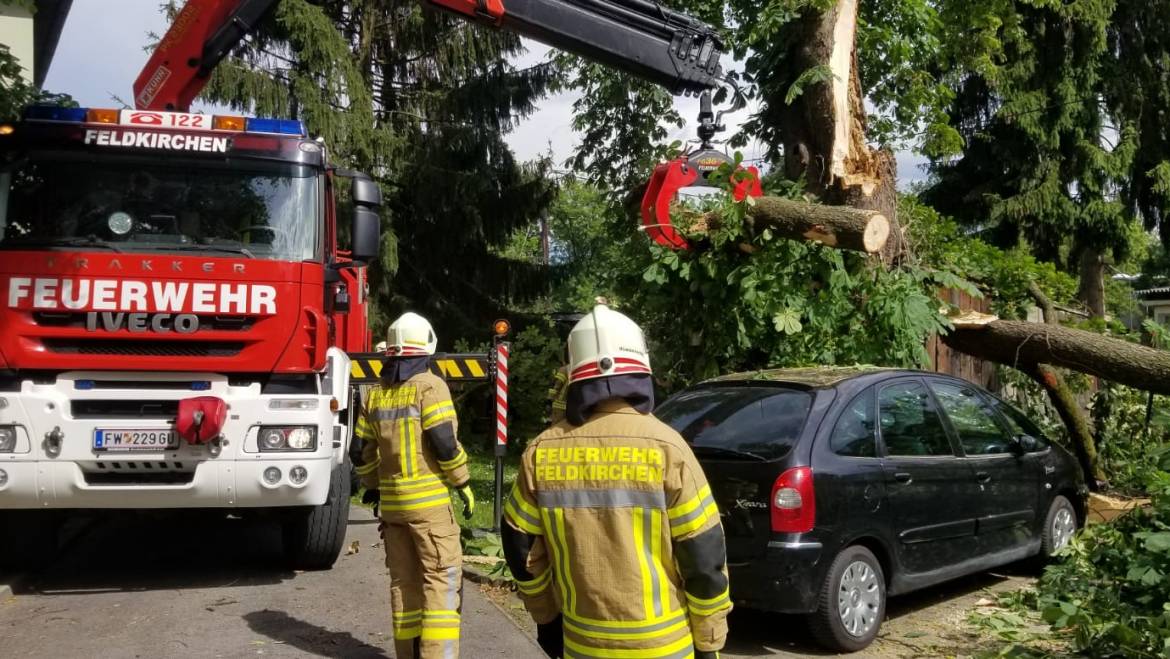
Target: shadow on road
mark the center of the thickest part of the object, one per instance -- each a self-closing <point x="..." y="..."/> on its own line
<point x="761" y="633"/>
<point x="145" y="552"/>
<point x="280" y="626"/>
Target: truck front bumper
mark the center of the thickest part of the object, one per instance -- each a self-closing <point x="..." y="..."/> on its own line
<point x="236" y="474"/>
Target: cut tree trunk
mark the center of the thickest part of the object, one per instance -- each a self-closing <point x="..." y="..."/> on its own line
<point x="836" y="226"/>
<point x="824" y="129"/>
<point x="1022" y="344"/>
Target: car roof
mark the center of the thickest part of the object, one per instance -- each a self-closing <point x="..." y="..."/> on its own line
<point x="813" y="377"/>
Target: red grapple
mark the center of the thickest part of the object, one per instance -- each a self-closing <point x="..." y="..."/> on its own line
<point x="200" y="419"/>
<point x="667" y="180"/>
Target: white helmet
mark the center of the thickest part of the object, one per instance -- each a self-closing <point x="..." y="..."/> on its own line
<point x="410" y="336"/>
<point x="606" y="343"/>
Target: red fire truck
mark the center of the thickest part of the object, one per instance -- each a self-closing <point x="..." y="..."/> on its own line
<point x="178" y="309"/>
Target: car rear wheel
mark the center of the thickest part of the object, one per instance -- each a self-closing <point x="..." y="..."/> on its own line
<point x="852" y="602"/>
<point x="1059" y="527"/>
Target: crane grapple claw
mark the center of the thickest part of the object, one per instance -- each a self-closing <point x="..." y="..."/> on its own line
<point x="667" y="180"/>
<point x="747" y="186"/>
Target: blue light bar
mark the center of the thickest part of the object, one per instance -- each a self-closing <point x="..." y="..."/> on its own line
<point x="84" y="385"/>
<point x="201" y="385"/>
<point x="277" y="126"/>
<point x="54" y="113"/>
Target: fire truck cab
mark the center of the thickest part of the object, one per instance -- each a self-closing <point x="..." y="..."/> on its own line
<point x="176" y="316"/>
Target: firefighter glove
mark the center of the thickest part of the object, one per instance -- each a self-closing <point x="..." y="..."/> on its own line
<point x="468" y="501"/>
<point x="551" y="638"/>
<point x="372" y="498"/>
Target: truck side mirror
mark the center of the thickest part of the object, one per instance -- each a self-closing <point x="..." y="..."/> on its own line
<point x="366" y="192"/>
<point x="366" y="234"/>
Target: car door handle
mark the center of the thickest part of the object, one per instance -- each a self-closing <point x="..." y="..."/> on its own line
<point x="903" y="477"/>
<point x="982" y="476"/>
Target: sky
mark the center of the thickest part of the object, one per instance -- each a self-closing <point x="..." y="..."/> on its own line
<point x="101" y="51"/>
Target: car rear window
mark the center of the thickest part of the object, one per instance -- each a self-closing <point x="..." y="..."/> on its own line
<point x="762" y="422"/>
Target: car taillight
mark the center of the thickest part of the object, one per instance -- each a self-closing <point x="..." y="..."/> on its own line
<point x="793" y="504"/>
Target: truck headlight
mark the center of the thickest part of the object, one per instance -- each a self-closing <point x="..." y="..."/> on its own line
<point x="288" y="438"/>
<point x="7" y="439"/>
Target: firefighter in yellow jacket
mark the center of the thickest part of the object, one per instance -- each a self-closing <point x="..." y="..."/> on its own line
<point x="611" y="530"/>
<point x="410" y="456"/>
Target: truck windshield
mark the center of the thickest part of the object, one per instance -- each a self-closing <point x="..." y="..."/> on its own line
<point x="257" y="209"/>
<point x="756" y="422"/>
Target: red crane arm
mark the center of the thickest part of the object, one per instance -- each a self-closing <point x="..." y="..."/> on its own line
<point x="202" y="34"/>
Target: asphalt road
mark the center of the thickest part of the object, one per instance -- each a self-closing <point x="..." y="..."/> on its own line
<point x="178" y="586"/>
<point x="181" y="587"/>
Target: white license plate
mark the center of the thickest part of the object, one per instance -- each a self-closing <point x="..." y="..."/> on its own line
<point x="108" y="439"/>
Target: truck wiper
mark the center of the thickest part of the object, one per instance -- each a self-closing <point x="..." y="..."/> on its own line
<point x="727" y="452"/>
<point x="59" y="242"/>
<point x="207" y="248"/>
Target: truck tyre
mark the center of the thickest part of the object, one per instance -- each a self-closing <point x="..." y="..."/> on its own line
<point x="313" y="537"/>
<point x="30" y="539"/>
<point x="851" y="603"/>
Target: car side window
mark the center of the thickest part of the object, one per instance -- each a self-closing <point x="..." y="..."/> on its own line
<point x="910" y="425"/>
<point x="972" y="418"/>
<point x="1031" y="437"/>
<point x="853" y="436"/>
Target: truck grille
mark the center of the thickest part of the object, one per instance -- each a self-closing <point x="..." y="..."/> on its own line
<point x="145" y="348"/>
<point x="138" y="409"/>
<point x="139" y="472"/>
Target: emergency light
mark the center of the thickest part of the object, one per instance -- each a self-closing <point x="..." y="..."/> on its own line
<point x="177" y="120"/>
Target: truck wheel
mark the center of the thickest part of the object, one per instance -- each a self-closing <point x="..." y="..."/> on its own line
<point x="313" y="537"/>
<point x="852" y="602"/>
<point x="30" y="539"/>
<point x="1059" y="526"/>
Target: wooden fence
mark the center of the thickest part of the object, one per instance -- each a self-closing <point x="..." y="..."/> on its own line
<point x="951" y="362"/>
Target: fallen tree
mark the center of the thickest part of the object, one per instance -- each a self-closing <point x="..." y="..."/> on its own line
<point x="1020" y="343"/>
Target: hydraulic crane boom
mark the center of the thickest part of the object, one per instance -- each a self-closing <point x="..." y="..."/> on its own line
<point x="637" y="36"/>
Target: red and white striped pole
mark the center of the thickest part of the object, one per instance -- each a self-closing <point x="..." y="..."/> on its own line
<point x="501" y="398"/>
<point x="500" y="348"/>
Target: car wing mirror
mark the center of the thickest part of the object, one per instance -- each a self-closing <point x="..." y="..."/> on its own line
<point x="1021" y="444"/>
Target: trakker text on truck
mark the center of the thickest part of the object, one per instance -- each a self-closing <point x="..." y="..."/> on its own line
<point x="176" y="315"/>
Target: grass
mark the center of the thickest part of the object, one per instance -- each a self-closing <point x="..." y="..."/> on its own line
<point x="482" y="466"/>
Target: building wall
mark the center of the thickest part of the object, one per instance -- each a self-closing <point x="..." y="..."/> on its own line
<point x="1162" y="314"/>
<point x="16" y="32"/>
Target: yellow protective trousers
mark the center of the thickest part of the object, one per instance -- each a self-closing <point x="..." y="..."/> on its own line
<point x="426" y="582"/>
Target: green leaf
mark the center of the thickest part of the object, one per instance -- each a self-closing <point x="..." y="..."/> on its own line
<point x="811" y="76"/>
<point x="1157" y="542"/>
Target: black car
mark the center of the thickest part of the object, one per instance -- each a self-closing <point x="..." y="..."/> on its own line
<point x="838" y="486"/>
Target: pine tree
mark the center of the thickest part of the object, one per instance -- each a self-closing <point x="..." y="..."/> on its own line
<point x="421" y="101"/>
<point x="1048" y="156"/>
